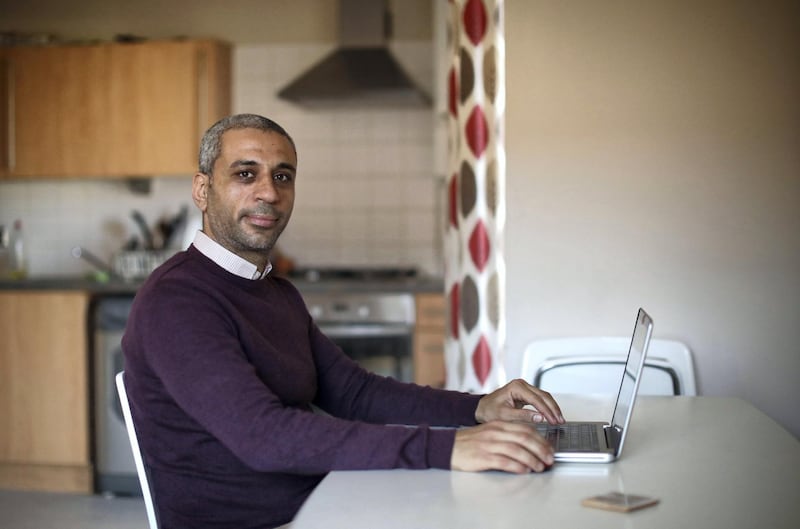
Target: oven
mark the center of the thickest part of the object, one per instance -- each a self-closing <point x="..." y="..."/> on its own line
<point x="374" y="329"/>
<point x="371" y="319"/>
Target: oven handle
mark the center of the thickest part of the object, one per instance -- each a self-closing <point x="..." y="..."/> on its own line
<point x="355" y="330"/>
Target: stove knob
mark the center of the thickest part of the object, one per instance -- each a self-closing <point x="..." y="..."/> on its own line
<point x="316" y="311"/>
<point x="363" y="311"/>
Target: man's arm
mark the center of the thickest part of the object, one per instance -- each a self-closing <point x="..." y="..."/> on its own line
<point x="346" y="390"/>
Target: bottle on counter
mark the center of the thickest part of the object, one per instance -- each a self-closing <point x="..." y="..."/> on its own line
<point x="17" y="258"/>
<point x="4" y="251"/>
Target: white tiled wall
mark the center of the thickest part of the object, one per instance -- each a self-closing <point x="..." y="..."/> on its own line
<point x="366" y="189"/>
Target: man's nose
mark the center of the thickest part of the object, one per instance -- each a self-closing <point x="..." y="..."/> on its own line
<point x="266" y="191"/>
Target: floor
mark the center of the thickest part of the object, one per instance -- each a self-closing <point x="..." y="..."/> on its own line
<point x="44" y="510"/>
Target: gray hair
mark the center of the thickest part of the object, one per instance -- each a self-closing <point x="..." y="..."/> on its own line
<point x="211" y="144"/>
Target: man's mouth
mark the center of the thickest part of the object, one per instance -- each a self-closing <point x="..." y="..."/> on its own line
<point x="262" y="221"/>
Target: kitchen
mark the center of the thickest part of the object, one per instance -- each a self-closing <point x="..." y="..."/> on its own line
<point x="620" y="138"/>
<point x="367" y="202"/>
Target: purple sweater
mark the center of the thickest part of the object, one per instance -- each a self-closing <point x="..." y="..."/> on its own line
<point x="222" y="372"/>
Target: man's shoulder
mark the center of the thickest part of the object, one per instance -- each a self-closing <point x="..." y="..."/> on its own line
<point x="179" y="267"/>
<point x="181" y="274"/>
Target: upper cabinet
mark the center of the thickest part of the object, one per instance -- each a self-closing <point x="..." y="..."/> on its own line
<point x="56" y="109"/>
<point x="110" y="110"/>
<point x="163" y="96"/>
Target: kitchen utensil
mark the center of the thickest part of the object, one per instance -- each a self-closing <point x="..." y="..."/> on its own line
<point x="131" y="245"/>
<point x="147" y="236"/>
<point x="82" y="253"/>
<point x="179" y="222"/>
<point x="170" y="227"/>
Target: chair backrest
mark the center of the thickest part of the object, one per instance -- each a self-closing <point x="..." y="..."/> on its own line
<point x="137" y="454"/>
<point x="593" y="365"/>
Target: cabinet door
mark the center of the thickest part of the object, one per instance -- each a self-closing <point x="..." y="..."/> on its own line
<point x="429" y="335"/>
<point x="160" y="105"/>
<point x="110" y="110"/>
<point x="57" y="98"/>
<point x="44" y="405"/>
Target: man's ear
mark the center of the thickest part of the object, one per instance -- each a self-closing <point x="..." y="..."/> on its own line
<point x="200" y="185"/>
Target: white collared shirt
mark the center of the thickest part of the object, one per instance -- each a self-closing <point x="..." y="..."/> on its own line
<point x="227" y="259"/>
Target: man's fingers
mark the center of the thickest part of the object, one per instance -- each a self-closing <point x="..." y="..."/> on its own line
<point x="544" y="403"/>
<point x="508" y="402"/>
<point x="526" y="415"/>
<point x="501" y="446"/>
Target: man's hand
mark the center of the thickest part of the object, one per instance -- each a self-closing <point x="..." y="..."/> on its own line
<point x="499" y="445"/>
<point x="506" y="404"/>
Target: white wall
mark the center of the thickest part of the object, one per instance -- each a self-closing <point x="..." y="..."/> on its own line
<point x="654" y="160"/>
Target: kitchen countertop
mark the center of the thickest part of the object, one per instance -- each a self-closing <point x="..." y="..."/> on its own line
<point x="70" y="283"/>
<point x="420" y="284"/>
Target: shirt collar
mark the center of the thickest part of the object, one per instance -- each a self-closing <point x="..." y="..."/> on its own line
<point x="227" y="259"/>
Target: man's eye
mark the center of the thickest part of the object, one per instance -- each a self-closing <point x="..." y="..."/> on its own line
<point x="245" y="175"/>
<point x="283" y="177"/>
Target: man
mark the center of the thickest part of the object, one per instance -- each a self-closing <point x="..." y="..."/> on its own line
<point x="223" y="365"/>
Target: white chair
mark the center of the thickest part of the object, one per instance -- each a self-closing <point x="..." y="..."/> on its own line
<point x="137" y="454"/>
<point x="593" y="365"/>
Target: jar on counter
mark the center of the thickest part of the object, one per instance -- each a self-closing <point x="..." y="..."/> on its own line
<point x="13" y="258"/>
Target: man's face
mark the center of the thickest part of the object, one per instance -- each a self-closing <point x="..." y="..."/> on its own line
<point x="249" y="198"/>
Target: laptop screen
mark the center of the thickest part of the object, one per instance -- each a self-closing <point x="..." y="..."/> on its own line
<point x="633" y="370"/>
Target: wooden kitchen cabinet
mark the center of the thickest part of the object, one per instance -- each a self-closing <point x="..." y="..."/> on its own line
<point x="44" y="401"/>
<point x="57" y="97"/>
<point x="429" y="336"/>
<point x="114" y="109"/>
<point x="163" y="97"/>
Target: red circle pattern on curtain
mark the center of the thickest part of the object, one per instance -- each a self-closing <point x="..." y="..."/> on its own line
<point x="474" y="266"/>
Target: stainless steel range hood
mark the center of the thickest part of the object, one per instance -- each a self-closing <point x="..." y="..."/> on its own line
<point x="362" y="71"/>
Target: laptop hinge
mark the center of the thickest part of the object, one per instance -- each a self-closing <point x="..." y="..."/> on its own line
<point x="612" y="436"/>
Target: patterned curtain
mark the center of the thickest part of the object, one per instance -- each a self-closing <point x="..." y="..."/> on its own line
<point x="474" y="265"/>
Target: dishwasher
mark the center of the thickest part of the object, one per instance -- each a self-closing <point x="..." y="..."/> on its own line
<point x="115" y="472"/>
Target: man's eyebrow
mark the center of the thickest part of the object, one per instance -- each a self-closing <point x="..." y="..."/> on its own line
<point x="240" y="163"/>
<point x="286" y="165"/>
<point x="250" y="163"/>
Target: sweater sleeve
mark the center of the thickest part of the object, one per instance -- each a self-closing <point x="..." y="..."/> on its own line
<point x="194" y="352"/>
<point x="347" y="390"/>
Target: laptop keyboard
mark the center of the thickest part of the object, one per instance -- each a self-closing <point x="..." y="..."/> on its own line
<point x="573" y="437"/>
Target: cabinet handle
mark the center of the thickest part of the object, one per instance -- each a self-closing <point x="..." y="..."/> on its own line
<point x="11" y="139"/>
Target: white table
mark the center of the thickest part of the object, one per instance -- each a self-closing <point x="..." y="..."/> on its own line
<point x="705" y="458"/>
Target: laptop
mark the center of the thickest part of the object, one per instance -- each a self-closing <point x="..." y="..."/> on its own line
<point x="601" y="442"/>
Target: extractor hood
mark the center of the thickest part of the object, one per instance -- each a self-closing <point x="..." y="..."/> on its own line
<point x="361" y="71"/>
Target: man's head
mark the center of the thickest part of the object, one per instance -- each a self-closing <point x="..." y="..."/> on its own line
<point x="245" y="184"/>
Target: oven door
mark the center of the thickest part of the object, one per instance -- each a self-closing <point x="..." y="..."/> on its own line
<point x="382" y="348"/>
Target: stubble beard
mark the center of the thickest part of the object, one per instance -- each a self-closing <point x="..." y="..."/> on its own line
<point x="241" y="241"/>
<point x="236" y="237"/>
